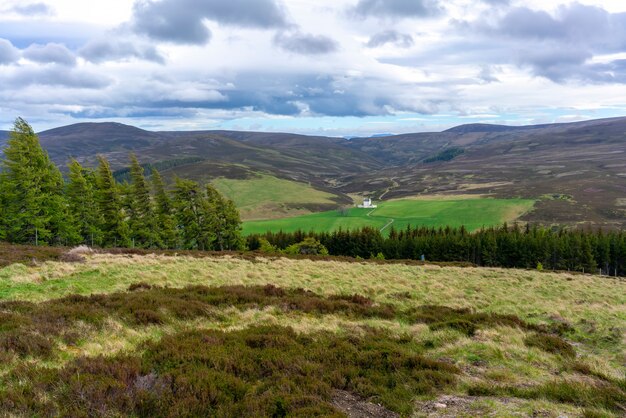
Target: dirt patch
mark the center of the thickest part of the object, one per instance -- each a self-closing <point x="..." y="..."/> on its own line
<point x="355" y="407"/>
<point x="450" y="406"/>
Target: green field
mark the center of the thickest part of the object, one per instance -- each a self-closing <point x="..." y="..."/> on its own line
<point x="473" y="213"/>
<point x="264" y="196"/>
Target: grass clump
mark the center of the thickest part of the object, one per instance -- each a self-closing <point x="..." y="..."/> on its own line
<point x="27" y="254"/>
<point x="551" y="344"/>
<point x="260" y="371"/>
<point x="608" y="396"/>
<point x="26" y="343"/>
<point x="468" y="321"/>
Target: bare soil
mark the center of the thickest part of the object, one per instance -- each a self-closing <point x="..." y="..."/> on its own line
<point x="355" y="407"/>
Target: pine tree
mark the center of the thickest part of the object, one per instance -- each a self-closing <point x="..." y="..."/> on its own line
<point x="226" y="221"/>
<point x="34" y="208"/>
<point x="142" y="219"/>
<point x="587" y="260"/>
<point x="114" y="228"/>
<point x="166" y="224"/>
<point x="194" y="215"/>
<point x="81" y="197"/>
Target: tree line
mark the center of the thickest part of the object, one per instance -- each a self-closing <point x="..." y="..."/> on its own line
<point x="506" y="246"/>
<point x="39" y="206"/>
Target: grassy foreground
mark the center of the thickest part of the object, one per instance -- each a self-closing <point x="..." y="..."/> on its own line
<point x="177" y="335"/>
<point x="474" y="213"/>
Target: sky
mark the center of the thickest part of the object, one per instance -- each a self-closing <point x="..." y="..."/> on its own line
<point x="324" y="67"/>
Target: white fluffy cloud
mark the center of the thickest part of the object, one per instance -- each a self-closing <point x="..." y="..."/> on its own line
<point x="337" y="66"/>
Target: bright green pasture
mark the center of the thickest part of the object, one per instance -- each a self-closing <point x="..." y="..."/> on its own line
<point x="472" y="213"/>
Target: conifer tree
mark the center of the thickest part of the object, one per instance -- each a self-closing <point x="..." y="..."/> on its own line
<point x="81" y="197"/>
<point x="142" y="220"/>
<point x="193" y="215"/>
<point x="166" y="225"/>
<point x="114" y="228"/>
<point x="226" y="220"/>
<point x="34" y="208"/>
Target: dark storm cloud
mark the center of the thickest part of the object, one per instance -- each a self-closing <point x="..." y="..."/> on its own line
<point x="390" y="37"/>
<point x="8" y="53"/>
<point x="182" y="21"/>
<point x="33" y="9"/>
<point x="50" y="53"/>
<point x="305" y="44"/>
<point x="103" y="50"/>
<point x="396" y="8"/>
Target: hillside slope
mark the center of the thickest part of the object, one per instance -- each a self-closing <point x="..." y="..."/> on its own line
<point x="578" y="170"/>
<point x="162" y="334"/>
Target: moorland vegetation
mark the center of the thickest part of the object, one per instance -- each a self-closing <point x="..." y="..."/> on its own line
<point x="157" y="335"/>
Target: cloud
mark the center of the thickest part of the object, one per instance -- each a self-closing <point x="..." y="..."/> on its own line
<point x="103" y="50"/>
<point x="486" y="75"/>
<point x="50" y="53"/>
<point x="33" y="9"/>
<point x="396" y="8"/>
<point x="279" y="61"/>
<point x="574" y="23"/>
<point x="390" y="37"/>
<point x="8" y="53"/>
<point x="498" y="2"/>
<point x="558" y="46"/>
<point x="305" y="44"/>
<point x="182" y="21"/>
<point x="55" y="75"/>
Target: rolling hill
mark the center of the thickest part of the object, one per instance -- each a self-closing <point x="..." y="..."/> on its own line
<point x="576" y="170"/>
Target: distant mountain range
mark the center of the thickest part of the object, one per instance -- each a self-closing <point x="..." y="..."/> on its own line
<point x="577" y="170"/>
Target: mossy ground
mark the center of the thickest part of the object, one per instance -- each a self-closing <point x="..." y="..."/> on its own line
<point x="553" y="343"/>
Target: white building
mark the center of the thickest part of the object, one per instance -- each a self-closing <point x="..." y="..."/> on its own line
<point x="367" y="204"/>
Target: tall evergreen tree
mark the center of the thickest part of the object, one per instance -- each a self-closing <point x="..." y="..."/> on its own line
<point x="226" y="221"/>
<point x="81" y="197"/>
<point x="166" y="225"/>
<point x="142" y="219"/>
<point x="114" y="227"/>
<point x="34" y="208"/>
<point x="193" y="215"/>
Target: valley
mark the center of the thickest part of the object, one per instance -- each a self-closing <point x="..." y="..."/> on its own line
<point x="581" y="163"/>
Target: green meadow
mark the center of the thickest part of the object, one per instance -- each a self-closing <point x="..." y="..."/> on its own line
<point x="264" y="196"/>
<point x="473" y="213"/>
